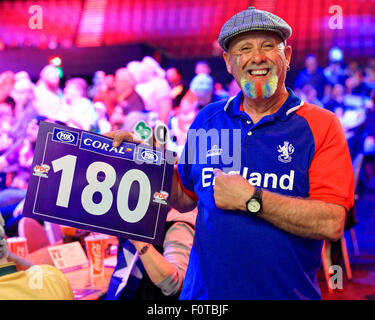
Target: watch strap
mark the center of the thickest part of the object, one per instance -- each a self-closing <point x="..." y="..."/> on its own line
<point x="144" y="249"/>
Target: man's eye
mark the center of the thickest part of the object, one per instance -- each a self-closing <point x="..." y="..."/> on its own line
<point x="268" y="45"/>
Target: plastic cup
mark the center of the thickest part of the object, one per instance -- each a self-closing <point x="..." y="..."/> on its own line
<point x="95" y="248"/>
<point x="18" y="246"/>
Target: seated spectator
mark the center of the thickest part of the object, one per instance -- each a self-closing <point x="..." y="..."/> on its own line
<point x="78" y="111"/>
<point x="334" y="72"/>
<point x="233" y="88"/>
<point x="337" y="98"/>
<point x="203" y="86"/>
<point x="309" y="94"/>
<point x="25" y="104"/>
<point x="6" y="124"/>
<point x="97" y="80"/>
<point x="157" y="272"/>
<point x="220" y="91"/>
<point x="369" y="79"/>
<point x="153" y="88"/>
<point x="312" y="74"/>
<point x="356" y="86"/>
<point x="180" y="123"/>
<point x="127" y="98"/>
<point x="179" y="87"/>
<point x="20" y="280"/>
<point x="6" y="84"/>
<point x="104" y="125"/>
<point x="107" y="93"/>
<point x="202" y="67"/>
<point x="17" y="160"/>
<point x="49" y="96"/>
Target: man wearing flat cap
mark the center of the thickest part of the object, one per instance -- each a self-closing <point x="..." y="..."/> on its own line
<point x="261" y="220"/>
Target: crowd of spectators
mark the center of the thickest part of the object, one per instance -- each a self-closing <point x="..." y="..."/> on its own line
<point x="143" y="90"/>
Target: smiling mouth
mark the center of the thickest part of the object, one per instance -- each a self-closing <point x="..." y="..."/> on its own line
<point x="259" y="72"/>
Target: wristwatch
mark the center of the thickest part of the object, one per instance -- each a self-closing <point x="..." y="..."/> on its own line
<point x="144" y="249"/>
<point x="254" y="205"/>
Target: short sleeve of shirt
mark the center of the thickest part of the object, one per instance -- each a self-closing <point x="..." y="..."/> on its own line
<point x="184" y="167"/>
<point x="331" y="172"/>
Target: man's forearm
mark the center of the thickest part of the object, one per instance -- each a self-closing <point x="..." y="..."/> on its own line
<point x="304" y="217"/>
<point x="179" y="200"/>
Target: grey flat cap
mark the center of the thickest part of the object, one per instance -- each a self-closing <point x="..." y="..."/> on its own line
<point x="252" y="19"/>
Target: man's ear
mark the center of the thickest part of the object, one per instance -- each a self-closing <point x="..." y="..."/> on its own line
<point x="288" y="53"/>
<point x="226" y="57"/>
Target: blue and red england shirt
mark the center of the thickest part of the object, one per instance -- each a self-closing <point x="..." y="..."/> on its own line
<point x="299" y="151"/>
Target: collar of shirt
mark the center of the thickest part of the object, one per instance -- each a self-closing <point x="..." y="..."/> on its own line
<point x="234" y="106"/>
<point x="7" y="269"/>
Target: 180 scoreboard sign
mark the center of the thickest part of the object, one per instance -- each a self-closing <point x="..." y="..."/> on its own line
<point x="79" y="179"/>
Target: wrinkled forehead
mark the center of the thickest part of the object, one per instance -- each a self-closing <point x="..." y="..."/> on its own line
<point x="255" y="36"/>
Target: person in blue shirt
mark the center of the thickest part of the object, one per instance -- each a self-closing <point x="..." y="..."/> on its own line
<point x="270" y="174"/>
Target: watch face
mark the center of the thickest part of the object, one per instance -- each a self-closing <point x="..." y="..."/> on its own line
<point x="253" y="205"/>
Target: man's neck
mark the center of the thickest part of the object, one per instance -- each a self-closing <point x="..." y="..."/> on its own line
<point x="258" y="108"/>
<point x="3" y="261"/>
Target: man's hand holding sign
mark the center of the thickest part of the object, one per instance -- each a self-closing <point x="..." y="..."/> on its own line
<point x="92" y="182"/>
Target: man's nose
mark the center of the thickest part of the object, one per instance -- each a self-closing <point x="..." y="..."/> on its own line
<point x="258" y="57"/>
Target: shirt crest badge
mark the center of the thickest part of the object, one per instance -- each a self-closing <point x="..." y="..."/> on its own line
<point x="285" y="151"/>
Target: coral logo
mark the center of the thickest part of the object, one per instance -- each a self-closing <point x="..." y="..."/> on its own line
<point x="65" y="136"/>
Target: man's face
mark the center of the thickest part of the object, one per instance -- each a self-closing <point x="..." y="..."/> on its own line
<point x="258" y="61"/>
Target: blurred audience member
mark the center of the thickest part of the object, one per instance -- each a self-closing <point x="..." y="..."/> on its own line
<point x="48" y="93"/>
<point x="97" y="80"/>
<point x="203" y="86"/>
<point x="356" y="86"/>
<point x="336" y="103"/>
<point x="25" y="108"/>
<point x="107" y="93"/>
<point x="104" y="125"/>
<point x="17" y="160"/>
<point x="202" y="66"/>
<point x="154" y="272"/>
<point x="127" y="98"/>
<point x="310" y="95"/>
<point x="153" y="88"/>
<point x="181" y="122"/>
<point x="233" y="88"/>
<point x="20" y="280"/>
<point x="369" y="79"/>
<point x="6" y="84"/>
<point x="312" y="74"/>
<point x="351" y="68"/>
<point x="179" y="87"/>
<point x="220" y="91"/>
<point x="334" y="72"/>
<point x="6" y="125"/>
<point x="49" y="96"/>
<point x="78" y="111"/>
